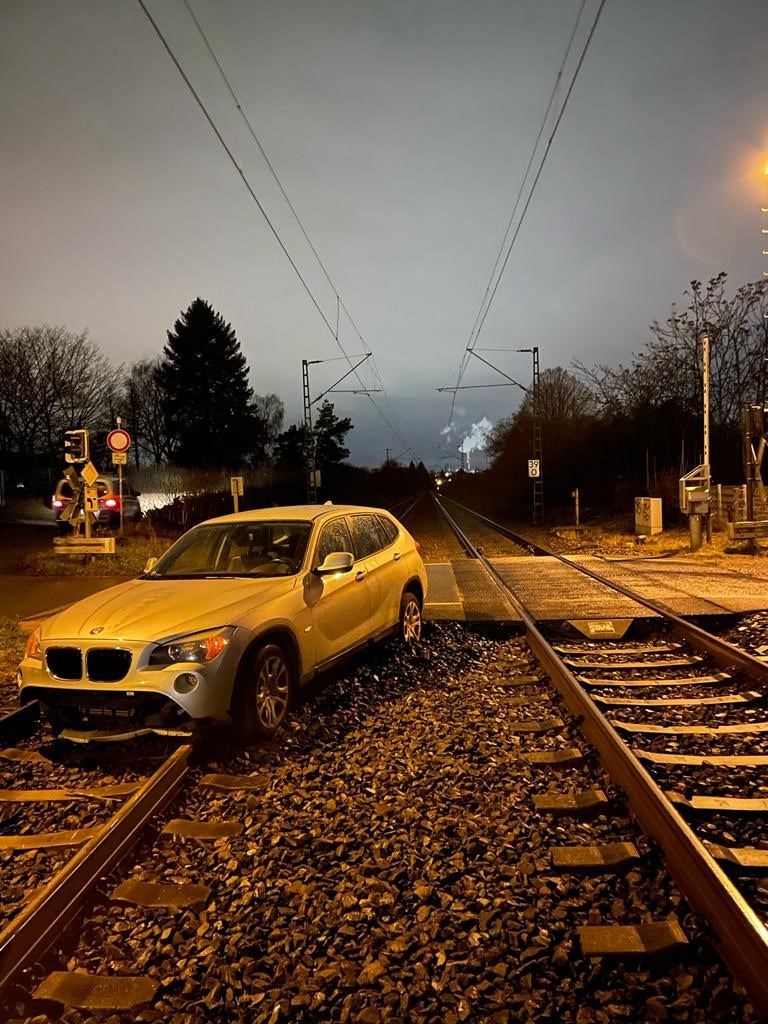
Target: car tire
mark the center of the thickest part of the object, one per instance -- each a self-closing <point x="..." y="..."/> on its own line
<point x="264" y="694"/>
<point x="411" y="620"/>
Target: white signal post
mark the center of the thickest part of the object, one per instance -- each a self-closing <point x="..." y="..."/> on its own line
<point x="118" y="442"/>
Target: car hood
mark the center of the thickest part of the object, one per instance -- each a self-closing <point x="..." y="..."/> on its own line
<point x="154" y="609"/>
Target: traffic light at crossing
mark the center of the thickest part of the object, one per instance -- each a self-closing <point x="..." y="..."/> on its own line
<point x="76" y="446"/>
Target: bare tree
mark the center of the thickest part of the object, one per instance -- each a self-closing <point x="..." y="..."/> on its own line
<point x="50" y="381"/>
<point x="144" y="400"/>
<point x="269" y="413"/>
<point x="668" y="372"/>
<point x="565" y="406"/>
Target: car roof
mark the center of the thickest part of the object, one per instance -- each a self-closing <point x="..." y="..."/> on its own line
<point x="302" y="513"/>
<point x="106" y="477"/>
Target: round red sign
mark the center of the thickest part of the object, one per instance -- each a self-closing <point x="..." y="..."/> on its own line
<point x="119" y="440"/>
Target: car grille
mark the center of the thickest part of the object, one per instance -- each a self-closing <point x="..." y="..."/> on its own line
<point x="65" y="662"/>
<point x="107" y="664"/>
<point x="91" y="710"/>
<point x="103" y="664"/>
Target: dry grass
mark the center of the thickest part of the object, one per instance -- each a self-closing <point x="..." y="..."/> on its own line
<point x="130" y="557"/>
<point x="616" y="539"/>
<point x="13" y="639"/>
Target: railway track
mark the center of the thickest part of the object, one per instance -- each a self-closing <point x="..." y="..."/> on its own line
<point x="66" y="822"/>
<point x="680" y="721"/>
<point x="377" y="860"/>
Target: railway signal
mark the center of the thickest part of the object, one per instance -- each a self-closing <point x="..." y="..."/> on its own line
<point x="76" y="446"/>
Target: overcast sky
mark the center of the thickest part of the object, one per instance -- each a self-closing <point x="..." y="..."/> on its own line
<point x="401" y="130"/>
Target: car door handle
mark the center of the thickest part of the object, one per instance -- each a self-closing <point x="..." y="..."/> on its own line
<point x="396" y="557"/>
<point x="360" y="575"/>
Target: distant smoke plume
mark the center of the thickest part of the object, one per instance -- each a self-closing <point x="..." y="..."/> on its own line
<point x="477" y="436"/>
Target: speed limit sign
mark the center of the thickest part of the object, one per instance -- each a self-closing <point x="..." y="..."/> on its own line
<point x="534" y="468"/>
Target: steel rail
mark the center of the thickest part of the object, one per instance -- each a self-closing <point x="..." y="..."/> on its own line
<point x="33" y="931"/>
<point x="20" y="722"/>
<point x="725" y="653"/>
<point x="741" y="936"/>
<point x="469" y="548"/>
<point x="412" y="503"/>
<point x="518" y="538"/>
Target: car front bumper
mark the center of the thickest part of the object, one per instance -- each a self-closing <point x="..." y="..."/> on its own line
<point x="170" y="698"/>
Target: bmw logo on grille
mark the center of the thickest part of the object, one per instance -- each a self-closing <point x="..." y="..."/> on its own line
<point x="97" y="629"/>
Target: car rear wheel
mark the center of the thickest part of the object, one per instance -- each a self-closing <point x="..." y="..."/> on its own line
<point x="411" y="621"/>
<point x="264" y="693"/>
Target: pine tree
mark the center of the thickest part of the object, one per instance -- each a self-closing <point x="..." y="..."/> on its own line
<point x="330" y="432"/>
<point x="204" y="375"/>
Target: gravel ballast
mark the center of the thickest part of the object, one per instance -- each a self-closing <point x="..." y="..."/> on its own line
<point x="392" y="867"/>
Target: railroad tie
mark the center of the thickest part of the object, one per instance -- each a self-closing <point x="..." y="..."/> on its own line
<point x="567" y="757"/>
<point x="49" y="840"/>
<point x="536" y="725"/>
<point x="632" y="939"/>
<point x="172" y="895"/>
<point x="621" y="666"/>
<point x="235" y="783"/>
<point x="599" y="681"/>
<point x="65" y="795"/>
<point x="84" y="991"/>
<point x="582" y="804"/>
<point x="184" y="828"/>
<point x="604" y="857"/>
<point x="746" y="858"/>
<point x="525" y="679"/>
<point x="601" y="651"/>
<point x="533" y="698"/>
<point x="735" y="804"/>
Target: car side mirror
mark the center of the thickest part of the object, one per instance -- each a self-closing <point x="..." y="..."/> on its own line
<point x="150" y="564"/>
<point x="337" y="561"/>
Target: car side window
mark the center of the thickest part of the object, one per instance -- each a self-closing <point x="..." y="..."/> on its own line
<point x="366" y="535"/>
<point x="333" y="537"/>
<point x="388" y="528"/>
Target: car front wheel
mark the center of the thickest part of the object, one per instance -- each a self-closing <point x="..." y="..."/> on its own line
<point x="411" y="621"/>
<point x="264" y="693"/>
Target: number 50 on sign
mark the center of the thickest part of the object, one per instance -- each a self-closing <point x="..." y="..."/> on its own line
<point x="534" y="467"/>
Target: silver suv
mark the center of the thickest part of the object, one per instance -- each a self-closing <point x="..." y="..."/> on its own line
<point x="108" y="489"/>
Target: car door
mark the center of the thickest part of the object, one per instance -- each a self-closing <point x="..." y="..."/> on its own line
<point x="339" y="602"/>
<point x="379" y="550"/>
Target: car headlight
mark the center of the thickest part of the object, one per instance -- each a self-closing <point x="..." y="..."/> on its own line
<point x="196" y="647"/>
<point x="33" y="649"/>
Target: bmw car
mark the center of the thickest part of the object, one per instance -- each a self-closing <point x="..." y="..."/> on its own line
<point x="227" y="625"/>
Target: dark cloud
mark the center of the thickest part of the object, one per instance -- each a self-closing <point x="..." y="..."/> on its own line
<point x="401" y="131"/>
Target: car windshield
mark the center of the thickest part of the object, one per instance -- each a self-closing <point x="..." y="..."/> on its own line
<point x="260" y="549"/>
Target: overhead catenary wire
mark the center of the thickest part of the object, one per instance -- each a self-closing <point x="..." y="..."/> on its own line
<point x="273" y="172"/>
<point x="487" y="301"/>
<point x="234" y="162"/>
<point x="518" y="197"/>
<point x="340" y="305"/>
<point x="252" y="193"/>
